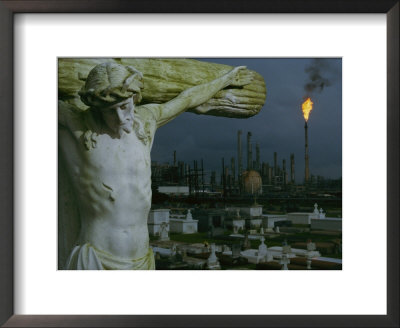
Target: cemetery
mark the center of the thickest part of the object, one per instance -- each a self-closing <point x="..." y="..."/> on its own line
<point x="244" y="238"/>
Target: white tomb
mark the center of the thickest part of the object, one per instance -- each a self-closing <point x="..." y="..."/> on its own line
<point x="301" y="218"/>
<point x="257" y="256"/>
<point x="254" y="210"/>
<point x="156" y="219"/>
<point x="306" y="218"/>
<point x="255" y="223"/>
<point x="268" y="220"/>
<point x="183" y="223"/>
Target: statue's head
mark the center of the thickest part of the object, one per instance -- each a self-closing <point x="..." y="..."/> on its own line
<point x="113" y="90"/>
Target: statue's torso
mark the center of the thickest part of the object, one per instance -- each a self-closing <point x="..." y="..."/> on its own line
<point x="112" y="183"/>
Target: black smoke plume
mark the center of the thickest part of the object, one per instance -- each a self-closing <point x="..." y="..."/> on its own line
<point x="318" y="72"/>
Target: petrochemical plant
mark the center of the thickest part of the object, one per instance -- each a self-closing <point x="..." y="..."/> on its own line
<point x="242" y="177"/>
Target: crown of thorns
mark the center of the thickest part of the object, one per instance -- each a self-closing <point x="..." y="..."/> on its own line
<point x="108" y="83"/>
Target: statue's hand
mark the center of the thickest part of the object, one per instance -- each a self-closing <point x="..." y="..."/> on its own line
<point x="241" y="76"/>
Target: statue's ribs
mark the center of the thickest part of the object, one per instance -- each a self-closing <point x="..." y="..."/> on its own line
<point x="164" y="79"/>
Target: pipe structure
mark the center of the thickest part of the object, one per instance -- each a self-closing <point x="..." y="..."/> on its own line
<point x="270" y="178"/>
<point x="202" y="176"/>
<point x="292" y="169"/>
<point x="249" y="152"/>
<point x="284" y="172"/>
<point x="307" y="171"/>
<point x="257" y="157"/>
<point x="239" y="141"/>
<point x="233" y="169"/>
<point x="223" y="178"/>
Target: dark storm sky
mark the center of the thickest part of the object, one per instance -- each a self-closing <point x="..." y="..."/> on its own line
<point x="278" y="127"/>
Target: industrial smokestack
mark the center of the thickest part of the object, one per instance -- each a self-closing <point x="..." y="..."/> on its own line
<point x="228" y="179"/>
<point x="270" y="175"/>
<point x="292" y="168"/>
<point x="223" y="180"/>
<point x="174" y="157"/>
<point x="233" y="169"/>
<point x="249" y="152"/>
<point x="284" y="172"/>
<point x="187" y="174"/>
<point x="202" y="175"/>
<point x="257" y="157"/>
<point x="307" y="172"/>
<point x="239" y="135"/>
<point x="264" y="173"/>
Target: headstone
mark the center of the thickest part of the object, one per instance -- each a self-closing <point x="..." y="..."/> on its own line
<point x="316" y="208"/>
<point x="262" y="230"/>
<point x="284" y="261"/>
<point x="311" y="247"/>
<point x="164" y="232"/>
<point x="212" y="261"/>
<point x="262" y="249"/>
<point x="277" y="229"/>
<point x="321" y="214"/>
<point x="189" y="216"/>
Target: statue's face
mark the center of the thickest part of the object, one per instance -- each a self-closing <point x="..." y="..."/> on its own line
<point x="119" y="117"/>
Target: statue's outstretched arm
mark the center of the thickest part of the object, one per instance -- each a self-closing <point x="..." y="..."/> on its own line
<point x="199" y="94"/>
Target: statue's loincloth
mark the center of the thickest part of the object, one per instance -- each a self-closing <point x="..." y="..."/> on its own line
<point x="86" y="257"/>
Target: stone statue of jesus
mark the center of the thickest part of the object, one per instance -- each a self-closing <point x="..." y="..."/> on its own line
<point x="106" y="153"/>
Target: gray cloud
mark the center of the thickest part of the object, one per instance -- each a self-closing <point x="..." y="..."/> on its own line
<point x="278" y="127"/>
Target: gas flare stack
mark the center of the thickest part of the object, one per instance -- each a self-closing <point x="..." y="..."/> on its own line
<point x="306" y="108"/>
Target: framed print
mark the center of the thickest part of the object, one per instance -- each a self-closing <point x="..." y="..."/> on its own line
<point x="39" y="40"/>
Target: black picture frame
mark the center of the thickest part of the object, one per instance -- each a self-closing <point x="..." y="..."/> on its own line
<point x="7" y="11"/>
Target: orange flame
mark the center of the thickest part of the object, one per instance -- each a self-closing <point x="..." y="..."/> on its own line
<point x="307" y="108"/>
